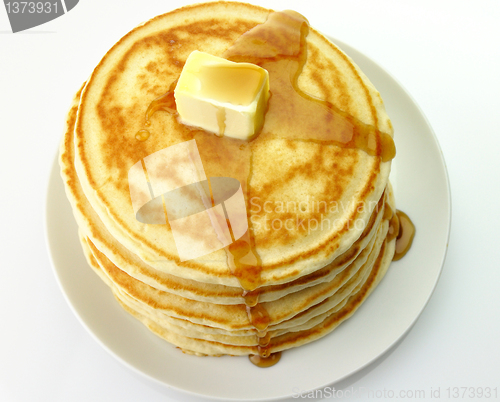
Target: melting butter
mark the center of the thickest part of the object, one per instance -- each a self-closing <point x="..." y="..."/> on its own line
<point x="221" y="96"/>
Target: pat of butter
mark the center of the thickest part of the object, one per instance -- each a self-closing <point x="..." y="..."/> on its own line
<point x="223" y="97"/>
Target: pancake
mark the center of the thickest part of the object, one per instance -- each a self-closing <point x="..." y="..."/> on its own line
<point x="106" y="247"/>
<point x="319" y="224"/>
<point x="281" y="342"/>
<point x="234" y="317"/>
<point x="199" y="343"/>
<point x="112" y="110"/>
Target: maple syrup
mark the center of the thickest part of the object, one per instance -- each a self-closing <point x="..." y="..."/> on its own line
<point x="405" y="235"/>
<point x="279" y="46"/>
<point x="142" y="135"/>
<point x="264" y="362"/>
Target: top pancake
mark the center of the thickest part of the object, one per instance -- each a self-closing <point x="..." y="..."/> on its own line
<point x="314" y="191"/>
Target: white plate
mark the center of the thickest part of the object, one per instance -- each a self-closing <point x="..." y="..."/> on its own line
<point x="422" y="191"/>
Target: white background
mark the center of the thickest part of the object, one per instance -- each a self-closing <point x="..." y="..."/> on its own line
<point x="445" y="53"/>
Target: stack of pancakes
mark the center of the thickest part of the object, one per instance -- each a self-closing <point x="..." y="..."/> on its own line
<point x="320" y="207"/>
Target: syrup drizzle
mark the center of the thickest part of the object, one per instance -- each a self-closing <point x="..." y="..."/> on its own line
<point x="166" y="103"/>
<point x="279" y="46"/>
<point x="393" y="227"/>
<point x="401" y="228"/>
<point x="405" y="236"/>
<point x="266" y="361"/>
<point x="142" y="135"/>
